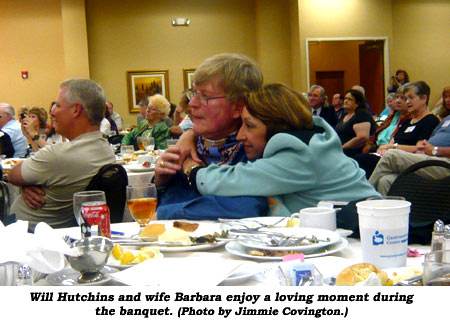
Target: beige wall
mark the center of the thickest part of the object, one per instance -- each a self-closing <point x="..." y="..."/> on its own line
<point x="341" y="18"/>
<point x="421" y="44"/>
<point x="31" y="38"/>
<point x="139" y="36"/>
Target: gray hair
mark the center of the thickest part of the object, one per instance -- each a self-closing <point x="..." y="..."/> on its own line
<point x="359" y="88"/>
<point x="391" y="95"/>
<point x="89" y="94"/>
<point x="143" y="103"/>
<point x="9" y="110"/>
<point x="161" y="102"/>
<point x="323" y="94"/>
<point x="420" y="88"/>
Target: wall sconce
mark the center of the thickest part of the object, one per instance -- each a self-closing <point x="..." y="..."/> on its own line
<point x="180" y="22"/>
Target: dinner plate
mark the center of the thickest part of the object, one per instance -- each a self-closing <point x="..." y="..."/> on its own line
<point x="69" y="277"/>
<point x="326" y="238"/>
<point x="134" y="167"/>
<point x="235" y="248"/>
<point x="7" y="164"/>
<point x="113" y="262"/>
<point x="242" y="274"/>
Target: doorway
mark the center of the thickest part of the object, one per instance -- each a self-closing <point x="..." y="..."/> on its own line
<point x="351" y="61"/>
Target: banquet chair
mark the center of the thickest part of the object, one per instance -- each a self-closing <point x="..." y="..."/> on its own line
<point x="429" y="198"/>
<point x="4" y="200"/>
<point x="113" y="180"/>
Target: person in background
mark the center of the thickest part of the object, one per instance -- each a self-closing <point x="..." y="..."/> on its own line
<point x="52" y="136"/>
<point x="442" y="107"/>
<point x="318" y="101"/>
<point x="298" y="160"/>
<point x="401" y="77"/>
<point x="6" y="147"/>
<point x="9" y="126"/>
<point x="217" y="99"/>
<point x="108" y="125"/>
<point x="143" y="104"/>
<point x="22" y="113"/>
<point x="390" y="106"/>
<point x="357" y="125"/>
<point x="114" y="116"/>
<point x="181" y="124"/>
<point x="363" y="91"/>
<point x="34" y="128"/>
<point x="338" y="103"/>
<point x="168" y="119"/>
<point x="153" y="125"/>
<point x="51" y="177"/>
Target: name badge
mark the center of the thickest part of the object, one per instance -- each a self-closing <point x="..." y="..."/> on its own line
<point x="410" y="129"/>
<point x="447" y="122"/>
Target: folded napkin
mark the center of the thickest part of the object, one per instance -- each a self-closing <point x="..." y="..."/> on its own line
<point x="43" y="251"/>
<point x="177" y="272"/>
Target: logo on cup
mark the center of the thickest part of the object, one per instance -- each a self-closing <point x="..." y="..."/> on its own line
<point x="377" y="238"/>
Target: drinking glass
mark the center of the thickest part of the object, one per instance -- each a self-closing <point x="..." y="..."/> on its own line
<point x="127" y="152"/>
<point x="79" y="198"/>
<point x="143" y="142"/>
<point x="172" y="142"/>
<point x="141" y="201"/>
<point x="436" y="268"/>
<point x="151" y="144"/>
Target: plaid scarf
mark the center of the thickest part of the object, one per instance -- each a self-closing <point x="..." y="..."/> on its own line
<point x="218" y="152"/>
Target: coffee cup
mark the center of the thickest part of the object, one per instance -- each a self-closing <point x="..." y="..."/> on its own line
<point x="317" y="217"/>
<point x="383" y="226"/>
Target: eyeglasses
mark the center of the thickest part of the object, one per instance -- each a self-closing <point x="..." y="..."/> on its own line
<point x="192" y="93"/>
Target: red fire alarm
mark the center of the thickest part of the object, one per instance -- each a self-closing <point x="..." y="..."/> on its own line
<point x="24" y="75"/>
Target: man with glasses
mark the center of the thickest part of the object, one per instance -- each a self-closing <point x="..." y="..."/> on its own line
<point x="9" y="126"/>
<point x="56" y="172"/>
<point x="217" y="100"/>
<point x="317" y="98"/>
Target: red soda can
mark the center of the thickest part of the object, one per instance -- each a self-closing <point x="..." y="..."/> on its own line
<point x="97" y="213"/>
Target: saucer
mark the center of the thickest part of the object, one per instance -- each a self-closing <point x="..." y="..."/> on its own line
<point x="69" y="277"/>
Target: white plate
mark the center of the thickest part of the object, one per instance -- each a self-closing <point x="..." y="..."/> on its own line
<point x="134" y="167"/>
<point x="68" y="277"/>
<point x="236" y="248"/>
<point x="321" y="234"/>
<point x="7" y="163"/>
<point x="242" y="274"/>
<point x="113" y="262"/>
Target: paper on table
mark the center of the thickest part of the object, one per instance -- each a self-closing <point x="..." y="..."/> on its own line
<point x="179" y="272"/>
<point x="43" y="251"/>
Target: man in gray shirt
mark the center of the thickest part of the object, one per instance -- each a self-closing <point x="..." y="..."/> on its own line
<point x="57" y="171"/>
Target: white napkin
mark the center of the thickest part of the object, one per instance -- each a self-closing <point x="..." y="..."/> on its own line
<point x="43" y="251"/>
<point x="177" y="272"/>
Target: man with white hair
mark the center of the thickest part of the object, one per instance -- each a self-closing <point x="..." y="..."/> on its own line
<point x="317" y="98"/>
<point x="62" y="169"/>
<point x="9" y="126"/>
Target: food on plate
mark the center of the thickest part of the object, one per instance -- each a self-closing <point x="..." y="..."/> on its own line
<point x="360" y="272"/>
<point x="12" y="162"/>
<point x="129" y="257"/>
<point x="174" y="234"/>
<point x="295" y="222"/>
<point x="153" y="230"/>
<point x="146" y="164"/>
<point x="271" y="253"/>
<point x="209" y="238"/>
<point x="188" y="227"/>
<point x="410" y="273"/>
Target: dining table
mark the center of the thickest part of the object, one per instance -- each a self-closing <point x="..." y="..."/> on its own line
<point x="328" y="264"/>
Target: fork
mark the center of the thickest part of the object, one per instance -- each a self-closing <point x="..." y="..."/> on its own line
<point x="242" y="223"/>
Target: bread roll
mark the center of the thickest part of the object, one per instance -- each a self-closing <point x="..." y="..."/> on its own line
<point x="359" y="272"/>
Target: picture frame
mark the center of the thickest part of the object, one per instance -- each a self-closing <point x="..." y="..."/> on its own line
<point x="145" y="83"/>
<point x="188" y="77"/>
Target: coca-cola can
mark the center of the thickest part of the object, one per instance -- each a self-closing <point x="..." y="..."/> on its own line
<point x="97" y="213"/>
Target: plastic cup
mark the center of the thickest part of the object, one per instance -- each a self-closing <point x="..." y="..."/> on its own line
<point x="383" y="226"/>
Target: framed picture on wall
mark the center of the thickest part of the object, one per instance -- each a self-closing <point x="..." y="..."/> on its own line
<point x="142" y="84"/>
<point x="188" y="77"/>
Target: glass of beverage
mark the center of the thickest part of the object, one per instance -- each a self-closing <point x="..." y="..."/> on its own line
<point x="143" y="142"/>
<point x="127" y="152"/>
<point x="90" y="209"/>
<point x="151" y="144"/>
<point x="436" y="268"/>
<point x="141" y="201"/>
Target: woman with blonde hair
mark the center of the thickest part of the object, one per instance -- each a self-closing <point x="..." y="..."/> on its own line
<point x="153" y="125"/>
<point x="297" y="158"/>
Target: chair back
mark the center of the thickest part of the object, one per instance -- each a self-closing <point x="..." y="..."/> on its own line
<point x="430" y="198"/>
<point x="113" y="180"/>
<point x="4" y="200"/>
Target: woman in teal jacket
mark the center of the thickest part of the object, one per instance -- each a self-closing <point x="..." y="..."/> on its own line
<point x="298" y="159"/>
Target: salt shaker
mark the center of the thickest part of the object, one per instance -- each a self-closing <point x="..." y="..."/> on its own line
<point x="437" y="237"/>
<point x="24" y="276"/>
<point x="446" y="237"/>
